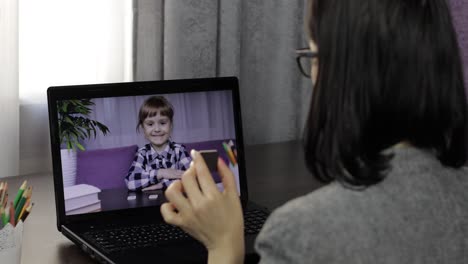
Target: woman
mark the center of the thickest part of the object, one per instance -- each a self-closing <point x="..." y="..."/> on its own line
<point x="386" y="130"/>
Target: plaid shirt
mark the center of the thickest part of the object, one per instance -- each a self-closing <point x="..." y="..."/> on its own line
<point x="147" y="162"/>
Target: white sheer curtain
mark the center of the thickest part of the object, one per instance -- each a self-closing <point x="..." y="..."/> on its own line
<point x="9" y="117"/>
<point x="60" y="43"/>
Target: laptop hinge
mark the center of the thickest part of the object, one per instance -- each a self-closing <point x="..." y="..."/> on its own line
<point x="86" y="247"/>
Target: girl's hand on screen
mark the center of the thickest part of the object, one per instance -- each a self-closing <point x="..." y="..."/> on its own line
<point x="212" y="217"/>
<point x="170" y="174"/>
<point x="153" y="187"/>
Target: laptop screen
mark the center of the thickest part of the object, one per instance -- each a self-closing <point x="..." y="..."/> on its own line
<point x="123" y="152"/>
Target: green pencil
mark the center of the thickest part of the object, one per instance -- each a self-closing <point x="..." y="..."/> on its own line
<point x="1" y="216"/>
<point x="19" y="194"/>
<point x="5" y="217"/>
<point x="21" y="203"/>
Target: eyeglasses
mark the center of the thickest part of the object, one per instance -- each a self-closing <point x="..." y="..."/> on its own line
<point x="304" y="59"/>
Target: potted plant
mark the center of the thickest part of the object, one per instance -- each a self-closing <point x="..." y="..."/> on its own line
<point x="74" y="127"/>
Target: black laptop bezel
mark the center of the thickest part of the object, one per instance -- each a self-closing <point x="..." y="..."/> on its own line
<point x="57" y="93"/>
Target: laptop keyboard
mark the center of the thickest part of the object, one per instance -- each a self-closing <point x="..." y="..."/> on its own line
<point x="253" y="221"/>
<point x="133" y="237"/>
<point x="141" y="236"/>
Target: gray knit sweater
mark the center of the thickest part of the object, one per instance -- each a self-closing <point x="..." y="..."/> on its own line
<point x="418" y="214"/>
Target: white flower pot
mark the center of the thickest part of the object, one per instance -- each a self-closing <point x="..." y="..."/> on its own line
<point x="68" y="167"/>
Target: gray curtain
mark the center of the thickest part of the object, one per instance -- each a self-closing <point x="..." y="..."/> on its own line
<point x="253" y="40"/>
<point x="459" y="10"/>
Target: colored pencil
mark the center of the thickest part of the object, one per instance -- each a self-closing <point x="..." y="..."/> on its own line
<point x="229" y="153"/>
<point x="28" y="197"/>
<point x="1" y="217"/>
<point x="5" y="201"/>
<point x="21" y="202"/>
<point x="26" y="205"/>
<point x="20" y="193"/>
<point x="1" y="191"/>
<point x="5" y="216"/>
<point x="4" y="193"/>
<point x="27" y="212"/>
<point x="12" y="214"/>
<point x="233" y="148"/>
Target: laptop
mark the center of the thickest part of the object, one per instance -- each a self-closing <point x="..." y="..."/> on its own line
<point x="96" y="144"/>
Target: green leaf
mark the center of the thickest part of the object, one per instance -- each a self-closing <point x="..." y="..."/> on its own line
<point x="69" y="142"/>
<point x="80" y="146"/>
<point x="104" y="129"/>
<point x="68" y="120"/>
<point x="64" y="106"/>
<point x="75" y="124"/>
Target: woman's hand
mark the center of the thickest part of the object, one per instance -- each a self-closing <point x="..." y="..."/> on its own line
<point x="212" y="217"/>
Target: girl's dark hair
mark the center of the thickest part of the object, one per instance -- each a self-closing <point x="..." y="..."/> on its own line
<point x="389" y="71"/>
<point x="152" y="106"/>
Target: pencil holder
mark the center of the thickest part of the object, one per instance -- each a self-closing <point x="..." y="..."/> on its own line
<point x="10" y="243"/>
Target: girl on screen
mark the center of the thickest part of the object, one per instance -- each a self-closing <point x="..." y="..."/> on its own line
<point x="160" y="161"/>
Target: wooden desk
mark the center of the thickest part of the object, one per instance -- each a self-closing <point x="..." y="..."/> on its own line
<point x="276" y="173"/>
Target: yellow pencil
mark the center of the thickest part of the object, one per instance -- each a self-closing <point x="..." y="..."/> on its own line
<point x="30" y="192"/>
<point x="26" y="205"/>
<point x="27" y="212"/>
<point x="4" y="193"/>
<point x="5" y="201"/>
<point x="1" y="192"/>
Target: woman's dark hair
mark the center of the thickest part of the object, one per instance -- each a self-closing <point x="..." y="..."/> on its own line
<point x="389" y="71"/>
<point x="152" y="106"/>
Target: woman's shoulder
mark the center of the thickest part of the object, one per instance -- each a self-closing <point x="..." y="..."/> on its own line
<point x="314" y="209"/>
<point x="336" y="218"/>
<point x="414" y="174"/>
<point x="317" y="207"/>
<point x="308" y="226"/>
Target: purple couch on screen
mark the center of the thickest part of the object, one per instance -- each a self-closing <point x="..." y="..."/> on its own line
<point x="107" y="168"/>
<point x="104" y="168"/>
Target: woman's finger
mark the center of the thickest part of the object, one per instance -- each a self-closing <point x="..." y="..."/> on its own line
<point x="170" y="215"/>
<point x="229" y="182"/>
<point x="204" y="177"/>
<point x="190" y="185"/>
<point x="174" y="194"/>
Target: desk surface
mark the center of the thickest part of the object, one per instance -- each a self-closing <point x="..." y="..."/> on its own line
<point x="276" y="173"/>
